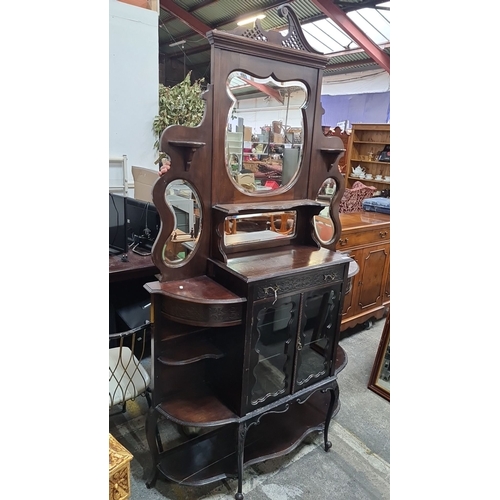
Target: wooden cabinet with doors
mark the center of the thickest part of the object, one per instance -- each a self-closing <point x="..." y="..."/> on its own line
<point x="246" y="328"/>
<point x="365" y="147"/>
<point x="365" y="238"/>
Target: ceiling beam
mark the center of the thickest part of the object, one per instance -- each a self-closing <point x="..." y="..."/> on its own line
<point x="266" y="89"/>
<point x="193" y="22"/>
<point x="339" y="17"/>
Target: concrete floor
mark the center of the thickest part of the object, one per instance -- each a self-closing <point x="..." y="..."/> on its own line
<point x="357" y="467"/>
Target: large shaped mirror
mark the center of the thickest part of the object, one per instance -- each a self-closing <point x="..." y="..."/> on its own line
<point x="263" y="147"/>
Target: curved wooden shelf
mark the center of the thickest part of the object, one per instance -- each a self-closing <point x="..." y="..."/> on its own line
<point x="199" y="301"/>
<point x="340" y="360"/>
<point x="212" y="456"/>
<point x="196" y="409"/>
<point x="184" y="351"/>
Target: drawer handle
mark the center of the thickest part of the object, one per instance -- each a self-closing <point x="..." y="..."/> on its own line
<point x="275" y="291"/>
<point x="330" y="277"/>
<point x="383" y="234"/>
<point x="343" y="241"/>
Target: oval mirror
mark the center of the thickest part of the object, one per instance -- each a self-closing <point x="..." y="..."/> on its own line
<point x="323" y="224"/>
<point x="263" y="148"/>
<point x="185" y="204"/>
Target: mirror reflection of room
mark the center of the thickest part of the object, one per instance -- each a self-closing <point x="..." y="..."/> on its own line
<point x="264" y="132"/>
<point x="323" y="223"/>
<point x="253" y="228"/>
<point x="184" y="202"/>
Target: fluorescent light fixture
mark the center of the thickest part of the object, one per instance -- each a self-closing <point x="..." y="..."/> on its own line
<point x="250" y="19"/>
<point x="182" y="42"/>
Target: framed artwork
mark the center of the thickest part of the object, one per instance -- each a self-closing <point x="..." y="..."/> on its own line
<point x="380" y="377"/>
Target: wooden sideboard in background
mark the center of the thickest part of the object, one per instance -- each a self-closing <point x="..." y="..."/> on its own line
<point x="366" y="238"/>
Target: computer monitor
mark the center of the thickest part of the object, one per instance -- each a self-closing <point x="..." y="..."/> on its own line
<point x="117" y="224"/>
<point x="143" y="222"/>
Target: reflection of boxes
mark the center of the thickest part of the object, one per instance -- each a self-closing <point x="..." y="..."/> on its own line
<point x="272" y="184"/>
<point x="278" y="138"/>
<point x="247" y="134"/>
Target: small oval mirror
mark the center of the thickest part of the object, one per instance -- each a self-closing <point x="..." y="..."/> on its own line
<point x="263" y="147"/>
<point x="185" y="204"/>
<point x="323" y="224"/>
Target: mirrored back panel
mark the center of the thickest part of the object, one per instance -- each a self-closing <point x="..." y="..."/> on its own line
<point x="258" y="228"/>
<point x="264" y="139"/>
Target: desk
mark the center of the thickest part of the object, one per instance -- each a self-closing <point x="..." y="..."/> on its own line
<point x="138" y="266"/>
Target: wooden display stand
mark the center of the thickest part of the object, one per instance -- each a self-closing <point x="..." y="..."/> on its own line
<point x="365" y="141"/>
<point x="245" y="334"/>
<point x="119" y="470"/>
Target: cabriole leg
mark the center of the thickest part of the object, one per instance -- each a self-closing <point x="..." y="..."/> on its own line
<point x="242" y="431"/>
<point x="154" y="443"/>
<point x="334" y="395"/>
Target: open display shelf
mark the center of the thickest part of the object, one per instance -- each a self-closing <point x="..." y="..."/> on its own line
<point x="366" y="142"/>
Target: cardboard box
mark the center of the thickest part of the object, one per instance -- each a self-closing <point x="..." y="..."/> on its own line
<point x="278" y="138"/>
<point x="247" y="134"/>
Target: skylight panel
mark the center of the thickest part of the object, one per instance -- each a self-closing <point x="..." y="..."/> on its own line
<point x="372" y="23"/>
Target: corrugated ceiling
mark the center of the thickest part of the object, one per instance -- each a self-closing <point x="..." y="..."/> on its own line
<point x="371" y="17"/>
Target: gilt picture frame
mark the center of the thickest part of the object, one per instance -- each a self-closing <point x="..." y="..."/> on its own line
<point x="380" y="375"/>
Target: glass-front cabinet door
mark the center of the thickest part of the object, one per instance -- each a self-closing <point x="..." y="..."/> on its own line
<point x="272" y="350"/>
<point x="316" y="335"/>
<point x="292" y="344"/>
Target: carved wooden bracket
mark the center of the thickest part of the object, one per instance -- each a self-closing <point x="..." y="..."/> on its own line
<point x="332" y="156"/>
<point x="189" y="148"/>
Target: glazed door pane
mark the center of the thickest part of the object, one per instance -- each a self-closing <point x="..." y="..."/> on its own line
<point x="316" y="335"/>
<point x="273" y="341"/>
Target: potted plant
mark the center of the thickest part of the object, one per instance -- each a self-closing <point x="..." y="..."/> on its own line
<point x="181" y="104"/>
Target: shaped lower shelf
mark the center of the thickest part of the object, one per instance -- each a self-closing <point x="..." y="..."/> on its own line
<point x="213" y="456"/>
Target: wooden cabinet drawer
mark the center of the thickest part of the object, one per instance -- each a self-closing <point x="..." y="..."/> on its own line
<point x="353" y="239"/>
<point x="299" y="282"/>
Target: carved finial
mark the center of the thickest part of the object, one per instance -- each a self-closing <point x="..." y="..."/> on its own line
<point x="295" y="38"/>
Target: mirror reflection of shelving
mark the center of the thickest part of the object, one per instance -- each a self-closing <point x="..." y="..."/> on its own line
<point x="235" y="150"/>
<point x="269" y="114"/>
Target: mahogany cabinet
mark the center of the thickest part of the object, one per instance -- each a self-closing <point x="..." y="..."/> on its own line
<point x="246" y="326"/>
<point x="366" y="239"/>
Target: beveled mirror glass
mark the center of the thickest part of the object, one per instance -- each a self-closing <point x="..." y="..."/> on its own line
<point x="263" y="147"/>
<point x="323" y="224"/>
<point x="254" y="228"/>
<point x="184" y="202"/>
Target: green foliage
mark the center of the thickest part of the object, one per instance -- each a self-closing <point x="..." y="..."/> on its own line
<point x="179" y="105"/>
